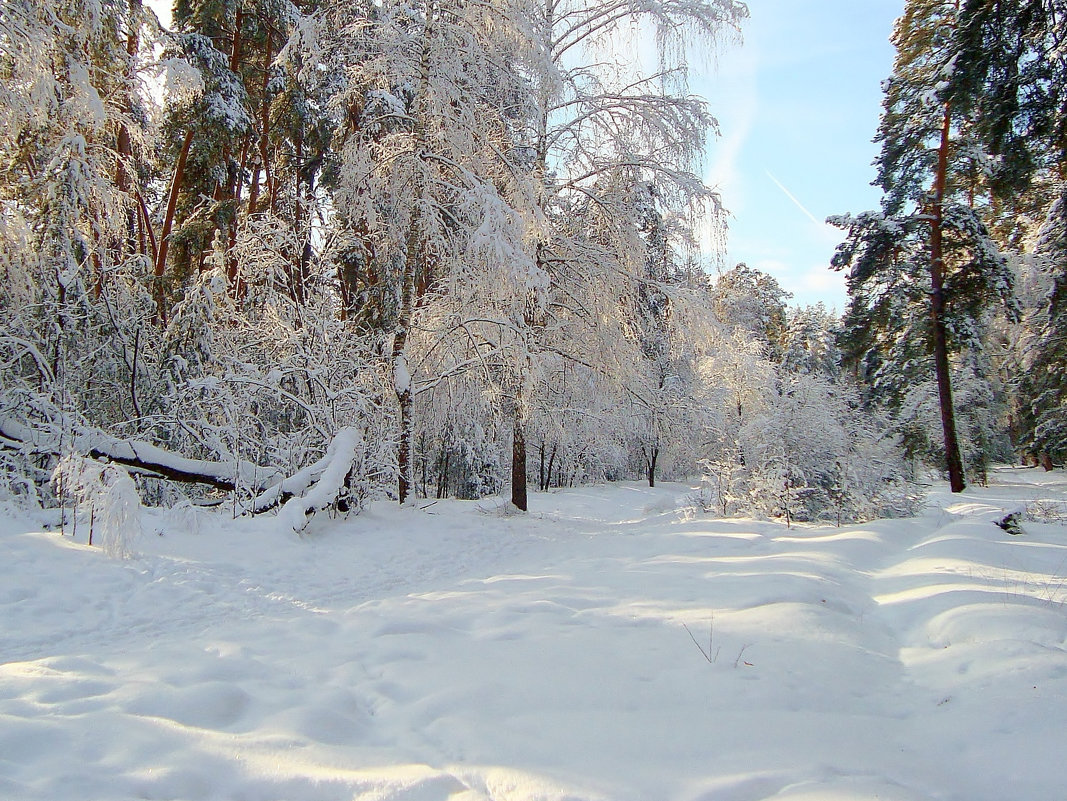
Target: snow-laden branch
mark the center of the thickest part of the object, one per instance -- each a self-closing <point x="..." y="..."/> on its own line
<point x="319" y="485"/>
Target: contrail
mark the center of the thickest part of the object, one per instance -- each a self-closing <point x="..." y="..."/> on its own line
<point x="792" y="197"/>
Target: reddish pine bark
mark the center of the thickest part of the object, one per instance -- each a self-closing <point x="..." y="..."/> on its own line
<point x="937" y="315"/>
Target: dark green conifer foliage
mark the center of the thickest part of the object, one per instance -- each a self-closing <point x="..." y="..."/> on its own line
<point x="1012" y="76"/>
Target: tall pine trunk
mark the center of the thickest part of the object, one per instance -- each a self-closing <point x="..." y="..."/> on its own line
<point x="168" y="225"/>
<point x="937" y="315"/>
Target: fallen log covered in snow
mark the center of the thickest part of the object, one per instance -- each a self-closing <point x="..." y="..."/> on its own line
<point x="299" y="495"/>
<point x="142" y="457"/>
<point x="317" y="486"/>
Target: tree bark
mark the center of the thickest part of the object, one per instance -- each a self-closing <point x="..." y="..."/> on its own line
<point x="541" y="467"/>
<point x="551" y="464"/>
<point x="518" y="462"/>
<point x="168" y="225"/>
<point x="403" y="460"/>
<point x="942" y="368"/>
<point x="401" y="377"/>
<point x="124" y="142"/>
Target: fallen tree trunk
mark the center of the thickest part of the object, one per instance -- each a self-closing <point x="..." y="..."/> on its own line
<point x="301" y="494"/>
<point x="143" y="457"/>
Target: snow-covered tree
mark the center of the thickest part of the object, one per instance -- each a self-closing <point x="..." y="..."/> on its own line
<point x="809" y="342"/>
<point x="1043" y="389"/>
<point x="73" y="124"/>
<point x="927" y="256"/>
<point x="752" y="301"/>
<point x="607" y="132"/>
<point x="815" y="454"/>
<point x="420" y="194"/>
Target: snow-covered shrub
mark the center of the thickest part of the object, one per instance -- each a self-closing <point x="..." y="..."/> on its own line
<point x="1046" y="510"/>
<point x="16" y="485"/>
<point x="722" y="486"/>
<point x="22" y="483"/>
<point x="813" y="454"/>
<point x="107" y="499"/>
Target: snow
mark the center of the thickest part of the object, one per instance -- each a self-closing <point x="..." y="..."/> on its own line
<point x="451" y="652"/>
<point x="401" y="375"/>
<point x="332" y="471"/>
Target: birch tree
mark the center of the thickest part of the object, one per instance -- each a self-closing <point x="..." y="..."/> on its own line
<point x="604" y="127"/>
<point x="424" y="168"/>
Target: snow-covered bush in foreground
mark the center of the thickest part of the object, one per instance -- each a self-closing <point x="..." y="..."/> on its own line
<point x="105" y="497"/>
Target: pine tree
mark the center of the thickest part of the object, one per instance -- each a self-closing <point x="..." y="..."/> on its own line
<point x="927" y="256"/>
<point x="1013" y="77"/>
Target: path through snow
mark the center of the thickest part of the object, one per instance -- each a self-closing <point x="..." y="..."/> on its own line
<point x="612" y="645"/>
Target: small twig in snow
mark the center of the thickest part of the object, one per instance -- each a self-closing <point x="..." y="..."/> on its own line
<point x="711" y="638"/>
<point x="738" y="660"/>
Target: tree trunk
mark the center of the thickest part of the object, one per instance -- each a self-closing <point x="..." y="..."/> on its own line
<point x="124" y="143"/>
<point x="168" y="225"/>
<point x="443" y="465"/>
<point x="295" y="264"/>
<point x="551" y="463"/>
<point x="650" y="463"/>
<point x="404" y="398"/>
<point x="401" y="376"/>
<point x="143" y="457"/>
<point x="264" y="137"/>
<point x="146" y="229"/>
<point x="942" y="368"/>
<point x="541" y="468"/>
<point x="518" y="462"/>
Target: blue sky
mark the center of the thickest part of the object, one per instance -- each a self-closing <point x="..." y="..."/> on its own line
<point x="798" y="103"/>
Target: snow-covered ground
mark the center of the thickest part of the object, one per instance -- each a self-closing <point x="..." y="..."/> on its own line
<point x="611" y="645"/>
